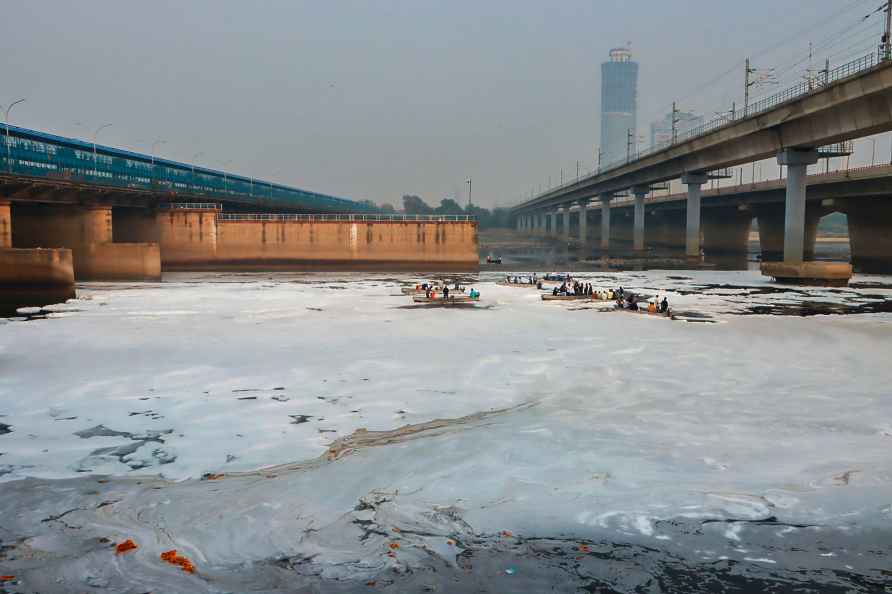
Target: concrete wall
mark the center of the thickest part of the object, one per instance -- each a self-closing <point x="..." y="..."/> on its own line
<point x="88" y="232"/>
<point x="135" y="225"/>
<point x="188" y="237"/>
<point x="36" y="267"/>
<point x="195" y="239"/>
<point x="5" y="225"/>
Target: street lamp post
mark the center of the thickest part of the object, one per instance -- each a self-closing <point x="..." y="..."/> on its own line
<point x="95" y="136"/>
<point x="8" y="145"/>
<point x="469" y="193"/>
<point x="226" y="164"/>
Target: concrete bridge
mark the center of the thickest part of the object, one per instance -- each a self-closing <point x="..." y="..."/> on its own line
<point x="798" y="126"/>
<point x="863" y="194"/>
<point x="71" y="210"/>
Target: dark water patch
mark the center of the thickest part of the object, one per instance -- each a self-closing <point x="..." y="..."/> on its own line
<point x="870" y="285"/>
<point x="247" y="398"/>
<point x="13" y="298"/>
<point x="299" y="419"/>
<point x="281" y="398"/>
<point x="749" y="291"/>
<point x="4" y="428"/>
<point x="818" y="308"/>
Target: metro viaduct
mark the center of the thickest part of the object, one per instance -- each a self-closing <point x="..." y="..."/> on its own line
<point x="853" y="101"/>
<point x="71" y="210"/>
<point x="863" y="194"/>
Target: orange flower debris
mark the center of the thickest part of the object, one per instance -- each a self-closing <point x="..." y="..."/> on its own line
<point x="174" y="559"/>
<point x="123" y="547"/>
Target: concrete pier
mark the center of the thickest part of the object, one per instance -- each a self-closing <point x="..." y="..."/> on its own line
<point x="638" y="224"/>
<point x="5" y="224"/>
<point x="797" y="162"/>
<point x="694" y="182"/>
<point x="87" y="232"/>
<point x="583" y="222"/>
<point x="605" y="221"/>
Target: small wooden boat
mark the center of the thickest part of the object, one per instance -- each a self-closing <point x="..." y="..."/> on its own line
<point x="490" y="259"/>
<point x="440" y="300"/>
<point x="556" y="277"/>
<point x="520" y="285"/>
<point x="566" y="297"/>
<point x="657" y="314"/>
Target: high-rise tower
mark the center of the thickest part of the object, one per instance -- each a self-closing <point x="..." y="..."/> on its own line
<point x="619" y="105"/>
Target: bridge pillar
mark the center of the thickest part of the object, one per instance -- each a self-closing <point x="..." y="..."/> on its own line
<point x="189" y="237"/>
<point x="870" y="234"/>
<point x="565" y="223"/>
<point x="87" y="232"/>
<point x="539" y="220"/>
<point x="694" y="181"/>
<point x="726" y="230"/>
<point x="797" y="230"/>
<point x="668" y="228"/>
<point x="638" y="225"/>
<point x="797" y="162"/>
<point x="548" y="227"/>
<point x="519" y="223"/>
<point x="605" y="221"/>
<point x="5" y="224"/>
<point x="583" y="221"/>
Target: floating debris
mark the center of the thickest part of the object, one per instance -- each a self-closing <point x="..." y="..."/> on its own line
<point x="123" y="547"/>
<point x="174" y="559"/>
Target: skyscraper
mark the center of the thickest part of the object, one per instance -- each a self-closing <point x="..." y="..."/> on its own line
<point x="619" y="104"/>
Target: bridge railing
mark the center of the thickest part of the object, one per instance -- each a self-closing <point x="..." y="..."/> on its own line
<point x="804" y="88"/>
<point x="358" y="218"/>
<point x="34" y="154"/>
<point x="192" y="206"/>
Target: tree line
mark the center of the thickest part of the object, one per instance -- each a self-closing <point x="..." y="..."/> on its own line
<point x="412" y="204"/>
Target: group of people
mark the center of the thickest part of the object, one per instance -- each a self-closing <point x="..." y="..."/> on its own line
<point x="431" y="290"/>
<point x="629" y="300"/>
<point x="573" y="288"/>
<point x="523" y="280"/>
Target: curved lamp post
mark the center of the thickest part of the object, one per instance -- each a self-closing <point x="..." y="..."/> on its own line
<point x="8" y="145"/>
<point x="95" y="136"/>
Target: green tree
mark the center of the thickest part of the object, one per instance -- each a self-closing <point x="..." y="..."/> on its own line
<point x="413" y="204"/>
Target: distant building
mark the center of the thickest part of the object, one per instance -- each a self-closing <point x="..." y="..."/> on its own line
<point x="619" y="104"/>
<point x="661" y="130"/>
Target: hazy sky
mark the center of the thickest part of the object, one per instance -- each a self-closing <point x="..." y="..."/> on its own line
<point x="379" y="98"/>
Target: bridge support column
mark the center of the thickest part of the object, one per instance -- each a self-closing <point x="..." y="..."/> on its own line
<point x="794" y="268"/>
<point x="539" y="222"/>
<point x="87" y="232"/>
<point x="189" y="237"/>
<point x="583" y="222"/>
<point x="870" y="234"/>
<point x="5" y="224"/>
<point x="797" y="162"/>
<point x="638" y="225"/>
<point x="694" y="181"/>
<point x="726" y="230"/>
<point x="566" y="228"/>
<point x="605" y="221"/>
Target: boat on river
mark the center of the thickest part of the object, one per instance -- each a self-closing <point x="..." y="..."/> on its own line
<point x="438" y="299"/>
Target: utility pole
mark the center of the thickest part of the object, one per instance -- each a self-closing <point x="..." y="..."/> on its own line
<point x="746" y="88"/>
<point x="599" y="159"/>
<point x="628" y="144"/>
<point x="469" y="193"/>
<point x="577" y="169"/>
<point x="887" y="42"/>
<point x="562" y="176"/>
<point x="674" y="123"/>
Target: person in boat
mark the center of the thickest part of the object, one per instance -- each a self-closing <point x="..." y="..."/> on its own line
<point x="651" y="307"/>
<point x="445" y="292"/>
<point x="664" y="305"/>
<point x="554" y="291"/>
<point x="539" y="285"/>
<point x="427" y="291"/>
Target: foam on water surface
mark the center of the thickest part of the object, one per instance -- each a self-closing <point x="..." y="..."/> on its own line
<point x="547" y="420"/>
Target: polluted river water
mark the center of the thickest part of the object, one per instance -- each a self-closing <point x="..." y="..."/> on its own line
<point x="320" y="433"/>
